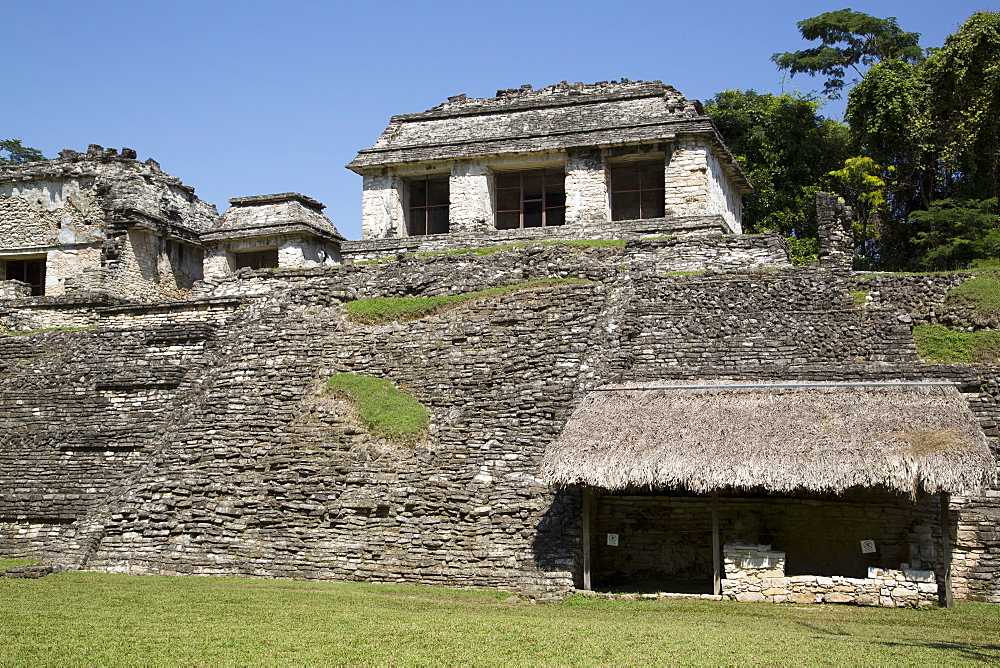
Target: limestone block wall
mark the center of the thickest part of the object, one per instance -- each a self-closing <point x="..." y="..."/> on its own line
<point x="381" y="207"/>
<point x="686" y="180"/>
<point x="723" y="199"/>
<point x="470" y="191"/>
<point x="14" y="289"/>
<point x="695" y="183"/>
<point x="50" y="212"/>
<point x="755" y="573"/>
<point x="239" y="464"/>
<point x="691" y="243"/>
<point x="586" y="188"/>
<point x="148" y="267"/>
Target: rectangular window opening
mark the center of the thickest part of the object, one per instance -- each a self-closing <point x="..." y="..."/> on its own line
<point x="530" y="198"/>
<point x="637" y="190"/>
<point x="262" y="259"/>
<point x="31" y="272"/>
<point x="427" y="212"/>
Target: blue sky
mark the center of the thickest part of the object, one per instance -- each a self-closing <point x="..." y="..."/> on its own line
<point x="249" y="98"/>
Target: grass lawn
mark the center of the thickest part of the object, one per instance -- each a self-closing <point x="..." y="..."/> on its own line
<point x="95" y="618"/>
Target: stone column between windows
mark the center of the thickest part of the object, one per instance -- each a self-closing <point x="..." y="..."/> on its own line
<point x="471" y="208"/>
<point x="382" y="207"/>
<point x="586" y="188"/>
<point x="216" y="264"/>
<point x="685" y="179"/>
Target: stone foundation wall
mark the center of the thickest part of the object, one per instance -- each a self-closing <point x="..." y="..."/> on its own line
<point x="195" y="438"/>
<point x="755" y="573"/>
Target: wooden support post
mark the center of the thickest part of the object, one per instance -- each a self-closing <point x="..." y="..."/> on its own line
<point x="946" y="548"/>
<point x="588" y="501"/>
<point x="716" y="557"/>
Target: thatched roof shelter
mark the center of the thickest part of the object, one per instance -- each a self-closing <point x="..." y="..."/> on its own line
<point x="781" y="439"/>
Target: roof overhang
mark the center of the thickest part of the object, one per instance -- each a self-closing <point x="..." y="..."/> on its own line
<point x="904" y="437"/>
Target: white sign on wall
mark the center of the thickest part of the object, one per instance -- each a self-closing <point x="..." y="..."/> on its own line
<point x="867" y="546"/>
<point x="613" y="539"/>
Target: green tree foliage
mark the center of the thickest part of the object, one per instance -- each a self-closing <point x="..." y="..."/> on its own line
<point x="786" y="148"/>
<point x="860" y="180"/>
<point x="930" y="128"/>
<point x="848" y="40"/>
<point x="12" y="153"/>
<point x="954" y="233"/>
<point x="964" y="80"/>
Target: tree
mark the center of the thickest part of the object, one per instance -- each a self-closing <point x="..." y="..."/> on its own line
<point x="954" y="233"/>
<point x="848" y="39"/>
<point x="17" y="154"/>
<point x="786" y="149"/>
<point x="862" y="184"/>
<point x="963" y="78"/>
<point x="926" y="128"/>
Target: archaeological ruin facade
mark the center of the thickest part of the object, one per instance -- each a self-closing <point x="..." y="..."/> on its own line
<point x="625" y="392"/>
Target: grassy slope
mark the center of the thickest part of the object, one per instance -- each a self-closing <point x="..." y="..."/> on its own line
<point x="379" y="310"/>
<point x="982" y="292"/>
<point x="937" y="343"/>
<point x="92" y="618"/>
<point x="385" y="409"/>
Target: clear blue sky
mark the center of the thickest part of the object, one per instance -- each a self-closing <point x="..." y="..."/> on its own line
<point x="251" y="97"/>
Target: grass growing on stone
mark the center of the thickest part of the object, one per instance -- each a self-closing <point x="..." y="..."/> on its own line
<point x="384" y="409"/>
<point x="483" y="251"/>
<point x="25" y="332"/>
<point x="104" y="619"/>
<point x="937" y="343"/>
<point x="860" y="296"/>
<point x="982" y="292"/>
<point x="380" y="310"/>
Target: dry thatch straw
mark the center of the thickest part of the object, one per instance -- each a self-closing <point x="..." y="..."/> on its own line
<point x="822" y="439"/>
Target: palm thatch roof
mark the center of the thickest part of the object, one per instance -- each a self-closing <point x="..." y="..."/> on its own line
<point x="780" y="439"/>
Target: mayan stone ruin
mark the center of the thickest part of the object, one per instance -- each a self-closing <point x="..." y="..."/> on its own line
<point x="625" y="392"/>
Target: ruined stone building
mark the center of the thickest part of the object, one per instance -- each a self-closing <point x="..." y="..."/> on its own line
<point x="624" y="390"/>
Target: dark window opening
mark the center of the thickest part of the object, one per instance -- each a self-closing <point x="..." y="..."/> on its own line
<point x="530" y="198"/>
<point x="31" y="272"/>
<point x="262" y="259"/>
<point x="637" y="190"/>
<point x="428" y="209"/>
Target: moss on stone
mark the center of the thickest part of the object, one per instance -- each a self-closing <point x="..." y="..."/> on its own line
<point x="379" y="310"/>
<point x="572" y="244"/>
<point x="25" y="332"/>
<point x="385" y="410"/>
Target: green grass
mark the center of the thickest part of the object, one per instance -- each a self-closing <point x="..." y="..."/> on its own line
<point x="860" y="296"/>
<point x="573" y="244"/>
<point x="380" y="310"/>
<point x="937" y="343"/>
<point x="25" y="332"/>
<point x="11" y="563"/>
<point x="384" y="409"/>
<point x="982" y="292"/>
<point x="103" y="619"/>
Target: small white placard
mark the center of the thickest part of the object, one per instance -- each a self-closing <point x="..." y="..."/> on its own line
<point x="867" y="546"/>
<point x="613" y="539"/>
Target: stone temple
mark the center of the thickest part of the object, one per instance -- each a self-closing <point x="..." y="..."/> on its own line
<point x="625" y="392"/>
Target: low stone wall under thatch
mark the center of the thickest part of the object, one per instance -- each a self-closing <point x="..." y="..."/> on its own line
<point x="755" y="573"/>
